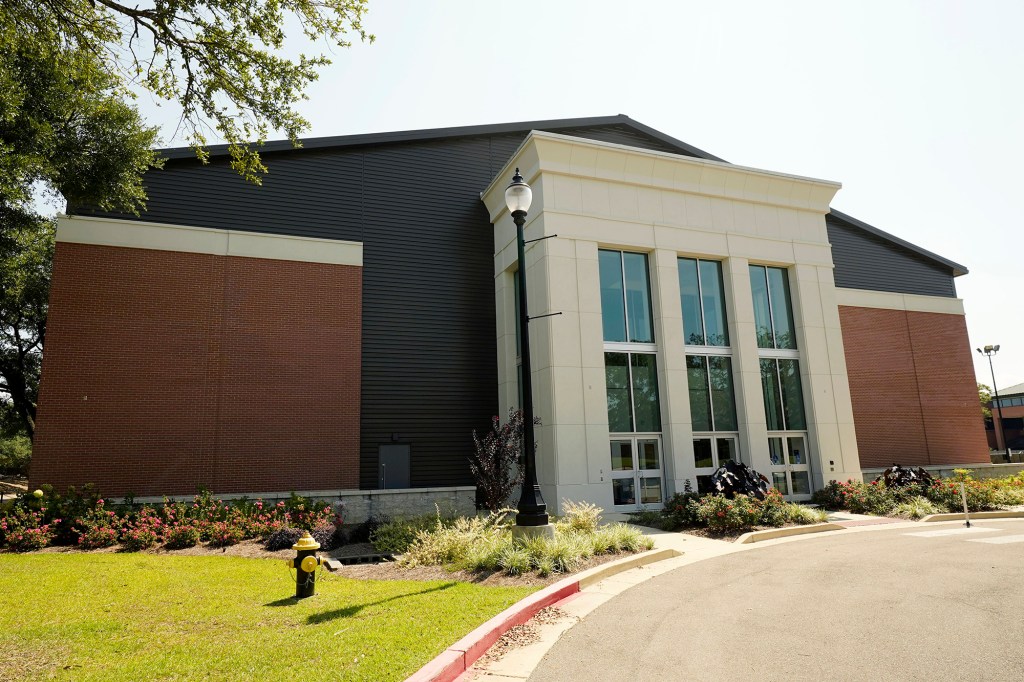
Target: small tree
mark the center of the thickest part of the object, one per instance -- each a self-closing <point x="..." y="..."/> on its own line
<point x="496" y="463"/>
<point x="985" y="397"/>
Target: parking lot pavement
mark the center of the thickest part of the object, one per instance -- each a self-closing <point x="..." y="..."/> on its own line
<point x="908" y="602"/>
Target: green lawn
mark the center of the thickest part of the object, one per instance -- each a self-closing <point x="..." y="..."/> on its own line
<point x="143" y="617"/>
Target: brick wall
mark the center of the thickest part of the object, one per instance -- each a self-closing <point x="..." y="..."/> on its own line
<point x="915" y="401"/>
<point x="166" y="371"/>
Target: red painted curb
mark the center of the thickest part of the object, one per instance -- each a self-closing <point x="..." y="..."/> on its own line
<point x="457" y="658"/>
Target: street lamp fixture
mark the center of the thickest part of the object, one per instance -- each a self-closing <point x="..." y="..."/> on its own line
<point x="532" y="512"/>
<point x="989" y="351"/>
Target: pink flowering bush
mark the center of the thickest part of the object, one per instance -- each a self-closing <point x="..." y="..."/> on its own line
<point x="143" y="531"/>
<point x="32" y="523"/>
<point x="100" y="527"/>
<point x="25" y="530"/>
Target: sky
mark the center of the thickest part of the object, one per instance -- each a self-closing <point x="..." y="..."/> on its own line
<point x="915" y="107"/>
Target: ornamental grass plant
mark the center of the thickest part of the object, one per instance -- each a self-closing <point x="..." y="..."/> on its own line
<point x="486" y="543"/>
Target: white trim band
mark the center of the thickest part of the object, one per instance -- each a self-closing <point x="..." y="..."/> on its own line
<point x="862" y="298"/>
<point x="137" y="234"/>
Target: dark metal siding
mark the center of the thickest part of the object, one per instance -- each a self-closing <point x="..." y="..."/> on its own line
<point x="429" y="373"/>
<point x="866" y="261"/>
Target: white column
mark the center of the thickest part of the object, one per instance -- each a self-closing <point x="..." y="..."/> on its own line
<point x="746" y="365"/>
<point x="677" y="426"/>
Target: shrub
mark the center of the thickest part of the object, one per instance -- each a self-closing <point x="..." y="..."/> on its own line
<point x="774" y="510"/>
<point x="143" y="531"/>
<point x="946" y="494"/>
<point x="495" y="463"/>
<point x="394" y="536"/>
<point x="514" y="560"/>
<point x="831" y="496"/>
<point x="915" y="508"/>
<point x="681" y="510"/>
<point x="25" y="530"/>
<point x="580" y="517"/>
<point x="651" y="519"/>
<point x="99" y="528"/>
<point x="181" y="536"/>
<point x="721" y="514"/>
<point x="224" y="533"/>
<point x="618" y="537"/>
<point x="282" y="538"/>
<point x="324" y="534"/>
<point x="61" y="512"/>
<point x="801" y="515"/>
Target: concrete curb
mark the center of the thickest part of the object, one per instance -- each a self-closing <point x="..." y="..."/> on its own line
<point x="931" y="518"/>
<point x="773" y="533"/>
<point x="457" y="658"/>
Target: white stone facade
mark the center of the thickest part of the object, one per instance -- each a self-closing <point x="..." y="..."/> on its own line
<point x="596" y="195"/>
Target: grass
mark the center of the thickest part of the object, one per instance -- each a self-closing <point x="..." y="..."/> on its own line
<point x="142" y="617"/>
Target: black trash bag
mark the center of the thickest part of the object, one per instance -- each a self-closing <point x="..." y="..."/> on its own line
<point x="735" y="478"/>
<point x="900" y="477"/>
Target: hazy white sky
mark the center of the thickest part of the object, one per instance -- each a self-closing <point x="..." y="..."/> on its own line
<point x="916" y="107"/>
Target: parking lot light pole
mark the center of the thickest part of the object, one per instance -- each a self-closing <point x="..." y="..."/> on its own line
<point x="989" y="351"/>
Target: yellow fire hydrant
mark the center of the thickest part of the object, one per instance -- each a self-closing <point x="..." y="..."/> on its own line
<point x="305" y="564"/>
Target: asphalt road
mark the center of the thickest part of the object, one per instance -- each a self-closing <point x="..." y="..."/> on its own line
<point x="877" y="605"/>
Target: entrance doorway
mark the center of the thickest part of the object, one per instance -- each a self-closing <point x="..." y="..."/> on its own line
<point x="636" y="472"/>
<point x="791" y="473"/>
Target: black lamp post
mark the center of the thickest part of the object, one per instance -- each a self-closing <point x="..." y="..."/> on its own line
<point x="989" y="351"/>
<point x="532" y="511"/>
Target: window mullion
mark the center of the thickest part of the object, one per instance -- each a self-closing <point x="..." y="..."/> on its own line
<point x="782" y="404"/>
<point x="625" y="299"/>
<point x="629" y="391"/>
<point x="711" y="397"/>
<point x="700" y="305"/>
<point x="771" y="306"/>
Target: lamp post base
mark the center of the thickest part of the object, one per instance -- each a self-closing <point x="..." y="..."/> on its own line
<point x="530" y="532"/>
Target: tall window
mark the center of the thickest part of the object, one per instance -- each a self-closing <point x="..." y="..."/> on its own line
<point x="708" y="367"/>
<point x="631" y="379"/>
<point x="780" y="380"/>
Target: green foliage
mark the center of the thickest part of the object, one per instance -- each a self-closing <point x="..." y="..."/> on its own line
<point x="985" y="398"/>
<point x="580" y="517"/>
<point x="100" y="527"/>
<point x="222" y="62"/>
<point x="915" y="508"/>
<point x="24" y="530"/>
<point x="394" y="536"/>
<point x="681" y="510"/>
<point x="721" y="514"/>
<point x="482" y="544"/>
<point x="15" y="455"/>
<point x="946" y="495"/>
<point x="181" y="536"/>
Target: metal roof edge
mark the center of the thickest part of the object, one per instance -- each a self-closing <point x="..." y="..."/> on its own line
<point x="957" y="268"/>
<point x="433" y="134"/>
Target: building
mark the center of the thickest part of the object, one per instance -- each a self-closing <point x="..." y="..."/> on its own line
<point x="1011" y="403"/>
<point x="347" y="325"/>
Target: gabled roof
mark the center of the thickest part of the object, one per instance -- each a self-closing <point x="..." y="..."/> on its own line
<point x="552" y="125"/>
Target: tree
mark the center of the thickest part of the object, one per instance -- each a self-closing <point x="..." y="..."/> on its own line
<point x="221" y="61"/>
<point x="985" y="396"/>
<point x="64" y="130"/>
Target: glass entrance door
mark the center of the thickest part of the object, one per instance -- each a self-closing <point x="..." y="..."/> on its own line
<point x="636" y="472"/>
<point x="791" y="473"/>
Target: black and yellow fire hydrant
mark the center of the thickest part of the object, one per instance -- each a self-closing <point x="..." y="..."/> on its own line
<point x="305" y="564"/>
